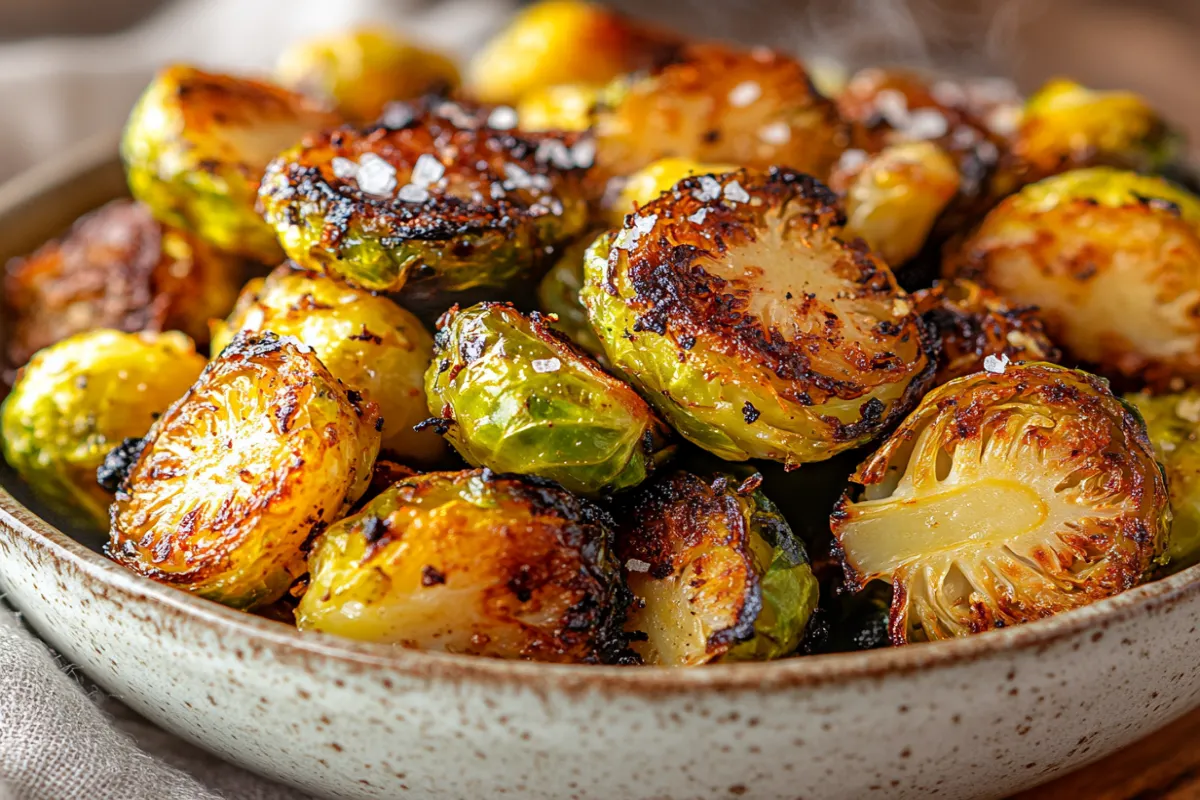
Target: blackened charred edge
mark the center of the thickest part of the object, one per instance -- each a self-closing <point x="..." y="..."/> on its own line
<point x="249" y="345"/>
<point x="118" y="463"/>
<point x="440" y="425"/>
<point x="431" y="576"/>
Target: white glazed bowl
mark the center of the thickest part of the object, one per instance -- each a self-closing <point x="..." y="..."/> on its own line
<point x="979" y="717"/>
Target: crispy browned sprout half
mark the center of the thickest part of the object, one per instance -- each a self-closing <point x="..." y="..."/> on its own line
<point x="1111" y="258"/>
<point x="715" y="104"/>
<point x="556" y="42"/>
<point x="362" y="70"/>
<point x="1004" y="498"/>
<point x="558" y="294"/>
<point x="264" y="450"/>
<point x="195" y="148"/>
<point x="78" y="399"/>
<point x="367" y="341"/>
<point x="975" y="323"/>
<point x="116" y="268"/>
<point x="472" y="562"/>
<point x="715" y="571"/>
<point x="737" y="307"/>
<point x="430" y="205"/>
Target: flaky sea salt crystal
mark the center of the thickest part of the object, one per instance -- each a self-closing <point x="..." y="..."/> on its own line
<point x="710" y="189"/>
<point x="376" y="176"/>
<point x="926" y="123"/>
<point x="996" y="365"/>
<point x="645" y="224"/>
<point x="734" y="193"/>
<point x="411" y="193"/>
<point x="893" y="106"/>
<point x="852" y="160"/>
<point x="515" y="177"/>
<point x="699" y="216"/>
<point x="583" y="152"/>
<point x="554" y="152"/>
<point x="344" y="168"/>
<point x="543" y="365"/>
<point x="396" y="116"/>
<point x="427" y="170"/>
<point x="502" y="118"/>
<point x="776" y="133"/>
<point x="744" y="94"/>
<point x="637" y="565"/>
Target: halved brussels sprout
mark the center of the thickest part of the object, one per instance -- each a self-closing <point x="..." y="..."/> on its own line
<point x="368" y="342"/>
<point x="558" y="294"/>
<point x="1005" y="497"/>
<point x="653" y="180"/>
<point x="563" y="41"/>
<point x="715" y="571"/>
<point x="456" y="207"/>
<point x="116" y="268"/>
<point x="1111" y="258"/>
<point x="515" y="395"/>
<point x="740" y="311"/>
<point x="715" y="104"/>
<point x="472" y="562"/>
<point x="195" y="148"/>
<point x="360" y="71"/>
<point x="975" y="323"/>
<point x="78" y="399"/>
<point x="1065" y="126"/>
<point x="563" y="107"/>
<point x="1173" y="421"/>
<point x="264" y="450"/>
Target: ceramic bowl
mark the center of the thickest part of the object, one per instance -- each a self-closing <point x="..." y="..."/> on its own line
<point x="979" y="717"/>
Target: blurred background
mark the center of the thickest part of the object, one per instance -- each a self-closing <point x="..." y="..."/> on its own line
<point x="71" y="68"/>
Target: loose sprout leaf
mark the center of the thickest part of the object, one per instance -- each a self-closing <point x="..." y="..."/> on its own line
<point x="1005" y="498"/>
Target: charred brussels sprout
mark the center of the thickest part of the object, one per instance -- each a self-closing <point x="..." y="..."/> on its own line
<point x="264" y="449"/>
<point x="116" y="268"/>
<point x="368" y="342"/>
<point x="715" y="571"/>
<point x="515" y="395"/>
<point x="195" y="148"/>
<point x="736" y="306"/>
<point x="472" y="562"/>
<point x="1065" y="126"/>
<point x="360" y="71"/>
<point x="456" y="207"/>
<point x="1173" y="421"/>
<point x="715" y="104"/>
<point x="894" y="198"/>
<point x="1111" y="258"/>
<point x="653" y="180"/>
<point x="1005" y="498"/>
<point x="558" y="294"/>
<point x="974" y="323"/>
<point x="563" y="41"/>
<point x="80" y="398"/>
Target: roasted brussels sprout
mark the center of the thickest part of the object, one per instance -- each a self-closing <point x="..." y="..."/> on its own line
<point x="472" y="562"/>
<point x="894" y="198"/>
<point x="195" y="148"/>
<point x="515" y="395"/>
<point x="563" y="41"/>
<point x="715" y="571"/>
<point x="975" y="323"/>
<point x="360" y="71"/>
<point x="563" y="107"/>
<point x="653" y="180"/>
<point x="1005" y="497"/>
<point x="558" y="294"/>
<point x="1111" y="258"/>
<point x="459" y="207"/>
<point x="265" y="449"/>
<point x="116" y="268"/>
<point x="368" y="342"/>
<point x="714" y="104"/>
<point x="1173" y="421"/>
<point x="736" y="306"/>
<point x="80" y="398"/>
<point x="1065" y="126"/>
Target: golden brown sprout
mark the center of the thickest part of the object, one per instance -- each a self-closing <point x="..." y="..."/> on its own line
<point x="653" y="180"/>
<point x="737" y="307"/>
<point x="264" y="450"/>
<point x="1004" y="498"/>
<point x="80" y="398"/>
<point x="974" y="323"/>
<point x="1111" y="258"/>
<point x="116" y="268"/>
<point x="195" y="148"/>
<point x="563" y="41"/>
<point x="447" y="203"/>
<point x="719" y="105"/>
<point x="715" y="571"/>
<point x="894" y="198"/>
<point x="472" y="562"/>
<point x="360" y="71"/>
<point x="368" y="342"/>
<point x="558" y="294"/>
<point x="563" y="107"/>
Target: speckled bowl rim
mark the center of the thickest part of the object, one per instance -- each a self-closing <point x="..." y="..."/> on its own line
<point x="287" y="643"/>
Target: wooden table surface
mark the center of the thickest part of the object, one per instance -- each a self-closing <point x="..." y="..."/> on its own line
<point x="1163" y="766"/>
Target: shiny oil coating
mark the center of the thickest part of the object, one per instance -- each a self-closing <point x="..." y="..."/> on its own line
<point x="437" y="196"/>
<point x="735" y="306"/>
